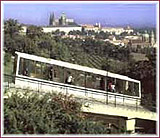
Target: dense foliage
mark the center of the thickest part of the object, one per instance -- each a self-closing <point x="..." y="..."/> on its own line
<point x="145" y="71"/>
<point x="31" y="113"/>
<point x="88" y="52"/>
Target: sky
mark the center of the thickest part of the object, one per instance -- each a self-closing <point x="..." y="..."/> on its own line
<point x="136" y="15"/>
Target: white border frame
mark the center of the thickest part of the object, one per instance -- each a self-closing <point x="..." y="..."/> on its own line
<point x="84" y="2"/>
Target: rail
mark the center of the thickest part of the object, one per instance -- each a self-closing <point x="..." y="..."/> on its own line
<point x="9" y="82"/>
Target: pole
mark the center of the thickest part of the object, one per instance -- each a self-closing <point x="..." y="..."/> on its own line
<point x="107" y="80"/>
<point x="85" y="83"/>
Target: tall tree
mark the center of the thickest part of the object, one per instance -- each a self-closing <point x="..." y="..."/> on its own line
<point x="12" y="27"/>
<point x="34" y="32"/>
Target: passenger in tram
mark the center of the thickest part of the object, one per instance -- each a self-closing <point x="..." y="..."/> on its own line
<point x="113" y="87"/>
<point x="110" y="86"/>
<point x="25" y="72"/>
<point x="69" y="79"/>
<point x="51" y="73"/>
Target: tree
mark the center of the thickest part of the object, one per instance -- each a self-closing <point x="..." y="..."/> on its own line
<point x="12" y="27"/>
<point x="76" y="32"/>
<point x="91" y="32"/>
<point x="31" y="113"/>
<point x="34" y="32"/>
<point x="124" y="34"/>
<point x="56" y="33"/>
<point x="145" y="71"/>
<point x="7" y="58"/>
<point x="16" y="43"/>
<point x="47" y="46"/>
<point x="11" y="35"/>
<point x="63" y="52"/>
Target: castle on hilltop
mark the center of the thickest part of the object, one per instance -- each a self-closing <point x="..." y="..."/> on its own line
<point x="62" y="21"/>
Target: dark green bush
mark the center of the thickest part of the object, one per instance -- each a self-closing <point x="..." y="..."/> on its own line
<point x="46" y="114"/>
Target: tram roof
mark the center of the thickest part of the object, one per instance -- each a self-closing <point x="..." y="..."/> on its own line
<point x="74" y="66"/>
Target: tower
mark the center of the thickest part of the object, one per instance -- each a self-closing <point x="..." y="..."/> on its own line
<point x="145" y="37"/>
<point x="52" y="20"/>
<point x="152" y="41"/>
<point x="62" y="20"/>
<point x="99" y="25"/>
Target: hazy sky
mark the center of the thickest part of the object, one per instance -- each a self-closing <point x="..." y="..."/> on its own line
<point x="108" y="14"/>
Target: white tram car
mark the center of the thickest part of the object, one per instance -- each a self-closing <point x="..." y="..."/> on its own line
<point x="43" y="74"/>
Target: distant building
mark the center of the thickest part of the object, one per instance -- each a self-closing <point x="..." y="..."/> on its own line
<point x="149" y="38"/>
<point x="50" y="29"/>
<point x="112" y="40"/>
<point x="62" y="24"/>
<point x="52" y="21"/>
<point x="24" y="30"/>
<point x="62" y="21"/>
<point x="133" y="37"/>
<point x="128" y="29"/>
<point x="137" y="44"/>
<point x="90" y="27"/>
<point x="117" y="30"/>
<point x="112" y="30"/>
<point x="145" y="37"/>
<point x="152" y="39"/>
<point x="141" y="40"/>
<point x="66" y="29"/>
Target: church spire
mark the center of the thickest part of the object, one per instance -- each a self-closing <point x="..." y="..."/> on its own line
<point x="51" y="19"/>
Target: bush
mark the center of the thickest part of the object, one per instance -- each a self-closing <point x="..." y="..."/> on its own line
<point x="32" y="113"/>
<point x="7" y="58"/>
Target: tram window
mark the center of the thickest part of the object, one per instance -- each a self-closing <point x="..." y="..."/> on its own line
<point x="136" y="89"/>
<point x="31" y="69"/>
<point x="55" y="73"/>
<point x="45" y="71"/>
<point x="24" y="67"/>
<point x="70" y="76"/>
<point x="90" y="80"/>
<point x="81" y="79"/>
<point x="120" y="86"/>
<point x="58" y="74"/>
<point x="131" y="88"/>
<point x="95" y="81"/>
<point x="78" y="78"/>
<point x="38" y="70"/>
<point x="102" y="83"/>
<point x="99" y="82"/>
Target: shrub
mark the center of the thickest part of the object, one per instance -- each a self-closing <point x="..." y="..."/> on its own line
<point x="32" y="113"/>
